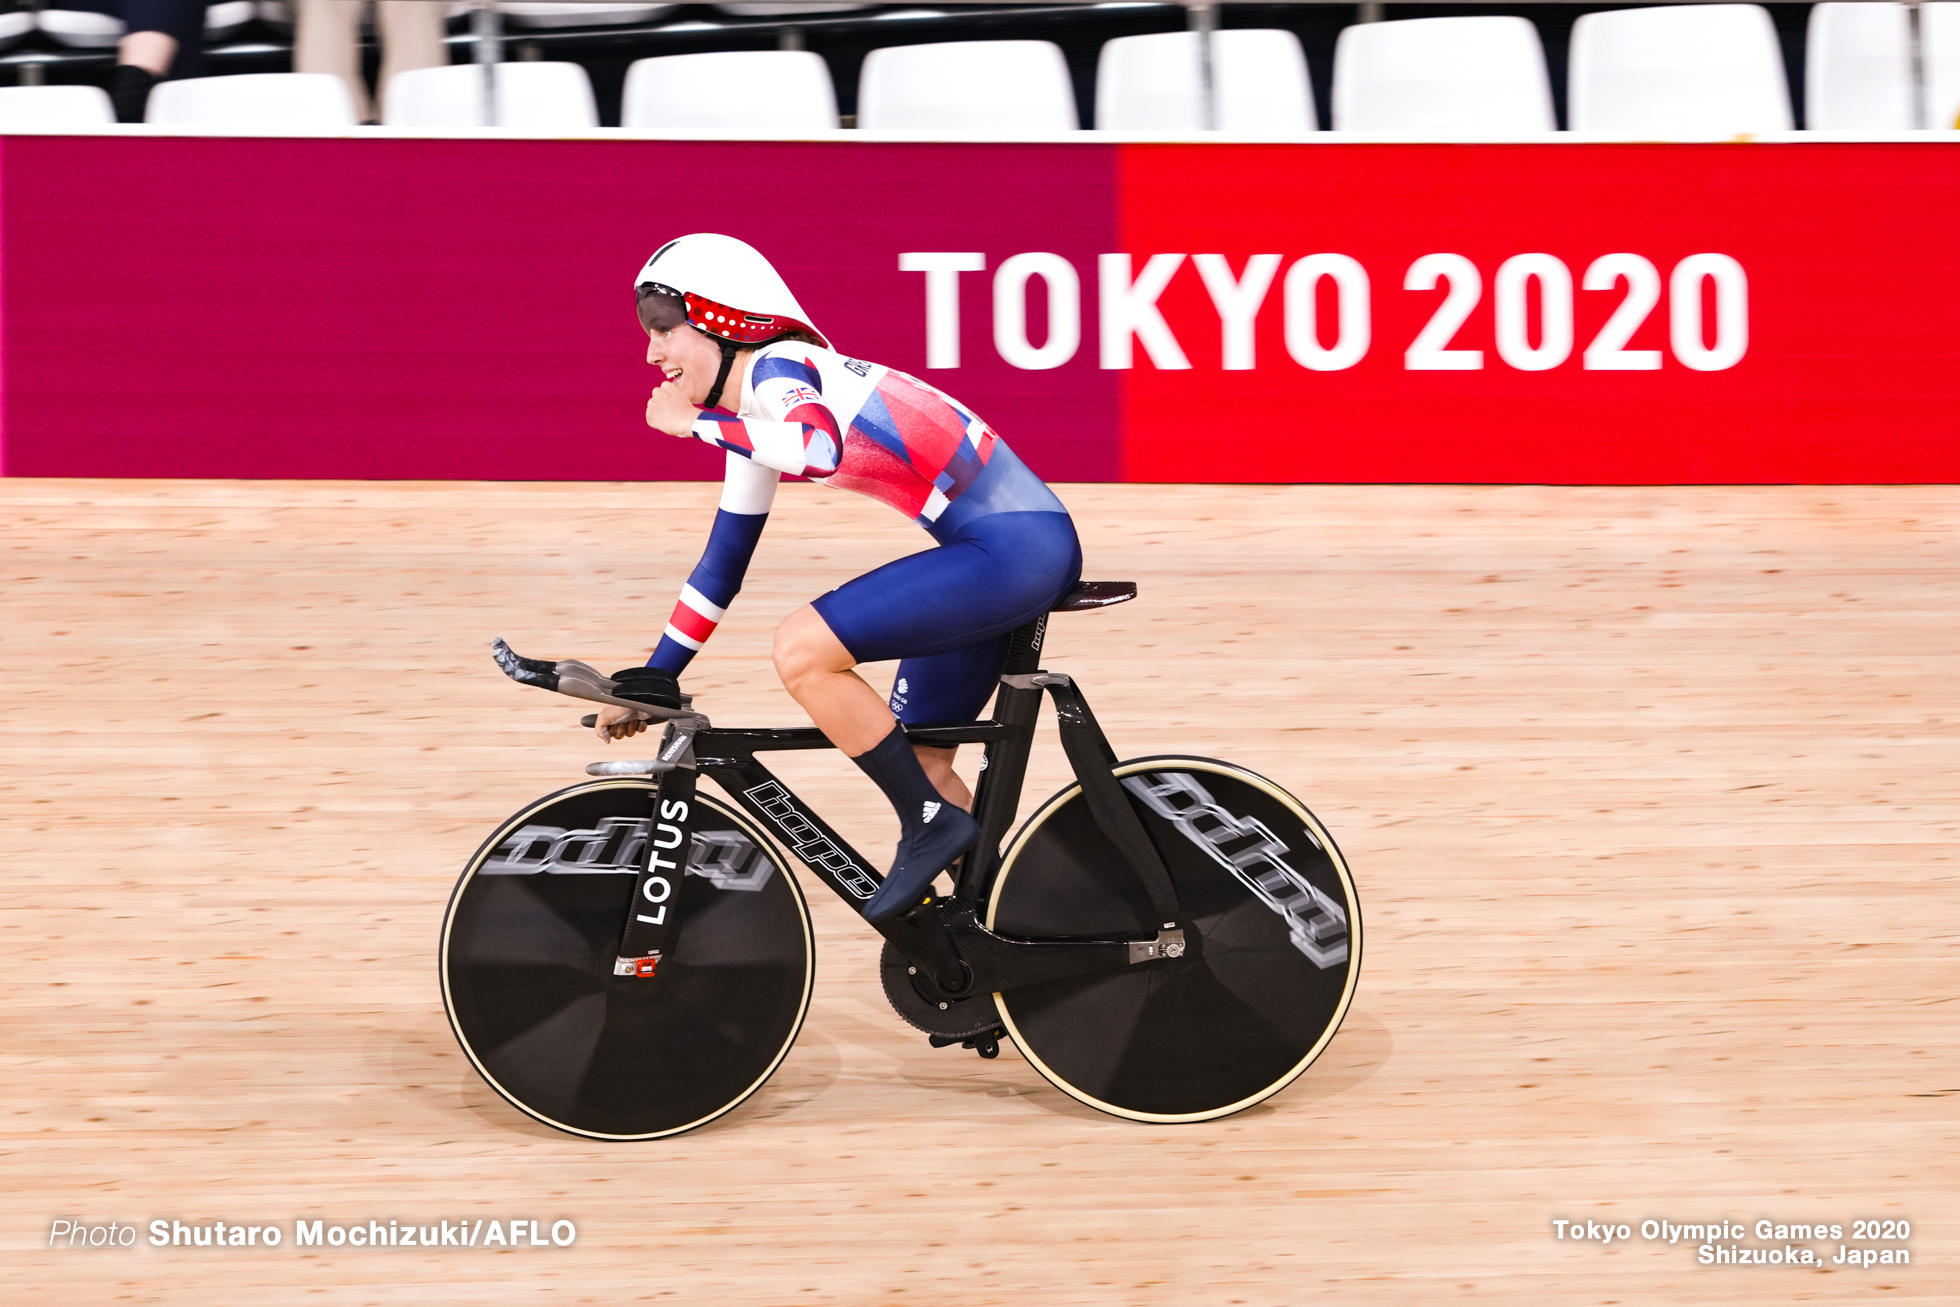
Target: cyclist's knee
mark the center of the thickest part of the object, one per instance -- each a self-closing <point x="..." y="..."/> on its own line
<point x="789" y="655"/>
<point x="805" y="647"/>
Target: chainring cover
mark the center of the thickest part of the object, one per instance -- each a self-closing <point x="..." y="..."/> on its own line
<point x="961" y="1018"/>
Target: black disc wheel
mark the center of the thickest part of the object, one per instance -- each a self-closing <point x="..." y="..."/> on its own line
<point x="1273" y="953"/>
<point x="528" y="951"/>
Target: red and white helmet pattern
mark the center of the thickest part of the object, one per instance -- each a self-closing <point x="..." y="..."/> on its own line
<point x="731" y="291"/>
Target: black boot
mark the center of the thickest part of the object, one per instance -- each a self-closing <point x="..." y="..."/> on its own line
<point x="932" y="832"/>
<point x="129" y="91"/>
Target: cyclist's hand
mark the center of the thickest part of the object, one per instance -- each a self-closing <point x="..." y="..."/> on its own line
<point x="669" y="411"/>
<point x="617" y="723"/>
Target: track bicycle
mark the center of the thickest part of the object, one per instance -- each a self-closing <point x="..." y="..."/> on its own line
<point x="1167" y="939"/>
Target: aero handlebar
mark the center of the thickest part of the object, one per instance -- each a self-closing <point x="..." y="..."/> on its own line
<point x="577" y="679"/>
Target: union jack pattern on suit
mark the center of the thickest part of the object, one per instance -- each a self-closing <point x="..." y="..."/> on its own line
<point x="854" y="425"/>
<point x="841" y="422"/>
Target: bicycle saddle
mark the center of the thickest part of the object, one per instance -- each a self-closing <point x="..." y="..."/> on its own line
<point x="1084" y="595"/>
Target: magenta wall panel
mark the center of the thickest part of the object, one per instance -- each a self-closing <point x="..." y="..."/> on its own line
<point x="436" y="308"/>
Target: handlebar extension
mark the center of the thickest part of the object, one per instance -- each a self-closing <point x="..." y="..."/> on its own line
<point x="579" y="680"/>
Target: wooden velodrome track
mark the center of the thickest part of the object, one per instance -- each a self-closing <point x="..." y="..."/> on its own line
<point x="1651" y="794"/>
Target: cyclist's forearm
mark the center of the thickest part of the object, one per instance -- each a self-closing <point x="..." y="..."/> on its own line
<point x="710" y="589"/>
<point x="747" y="494"/>
<point x="799" y="448"/>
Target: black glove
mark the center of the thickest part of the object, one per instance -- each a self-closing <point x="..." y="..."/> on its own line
<point x="648" y="685"/>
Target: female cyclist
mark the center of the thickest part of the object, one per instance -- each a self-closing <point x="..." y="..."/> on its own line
<point x="743" y="368"/>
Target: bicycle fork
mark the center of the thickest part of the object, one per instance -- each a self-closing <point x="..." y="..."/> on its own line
<point x="651" y="918"/>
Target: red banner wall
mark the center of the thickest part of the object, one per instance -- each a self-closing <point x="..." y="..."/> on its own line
<point x="460" y="308"/>
<point x="1852" y="266"/>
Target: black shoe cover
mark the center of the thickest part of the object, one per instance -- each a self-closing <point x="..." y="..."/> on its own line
<point x="922" y="855"/>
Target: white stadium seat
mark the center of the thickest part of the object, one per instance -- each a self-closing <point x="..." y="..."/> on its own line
<point x="13" y="26"/>
<point x="1002" y="88"/>
<point x="1858" y="68"/>
<point x="1155" y="83"/>
<point x="581" y="15"/>
<point x="1939" y="49"/>
<point x="1442" y="76"/>
<point x="85" y="30"/>
<point x="80" y="28"/>
<point x="296" y="100"/>
<point x="54" y="108"/>
<point x="537" y="97"/>
<point x="1680" y="70"/>
<point x="221" y="20"/>
<point x="772" y="92"/>
<point x="544" y="96"/>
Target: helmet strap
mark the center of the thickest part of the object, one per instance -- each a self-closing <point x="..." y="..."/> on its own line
<point x="721" y="377"/>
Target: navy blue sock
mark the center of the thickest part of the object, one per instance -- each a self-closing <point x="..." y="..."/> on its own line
<point x="932" y="831"/>
<point x="895" y="769"/>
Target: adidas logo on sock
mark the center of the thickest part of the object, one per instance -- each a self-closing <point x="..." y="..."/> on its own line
<point x="932" y="810"/>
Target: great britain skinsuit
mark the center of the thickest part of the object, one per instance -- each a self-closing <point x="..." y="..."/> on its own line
<point x="1006" y="547"/>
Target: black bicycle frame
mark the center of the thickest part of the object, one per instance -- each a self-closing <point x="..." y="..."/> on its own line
<point x="943" y="937"/>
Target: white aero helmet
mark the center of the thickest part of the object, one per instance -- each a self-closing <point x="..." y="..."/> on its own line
<point x="731" y="293"/>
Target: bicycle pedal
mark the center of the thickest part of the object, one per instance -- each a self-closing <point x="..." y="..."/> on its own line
<point x="987" y="1045"/>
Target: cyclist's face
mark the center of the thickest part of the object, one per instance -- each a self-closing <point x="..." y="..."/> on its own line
<point x="689" y="359"/>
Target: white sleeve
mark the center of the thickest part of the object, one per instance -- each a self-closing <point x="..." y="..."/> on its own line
<point x="748" y="486"/>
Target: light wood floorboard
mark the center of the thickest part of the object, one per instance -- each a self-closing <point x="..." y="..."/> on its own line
<point x="1652" y="797"/>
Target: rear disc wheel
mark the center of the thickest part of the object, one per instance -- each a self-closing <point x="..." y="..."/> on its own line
<point x="1269" y="973"/>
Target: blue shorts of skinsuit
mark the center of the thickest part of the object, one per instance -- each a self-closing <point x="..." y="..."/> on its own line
<point x="947" y="613"/>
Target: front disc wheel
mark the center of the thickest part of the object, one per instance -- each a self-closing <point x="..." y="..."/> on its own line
<point x="528" y="950"/>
